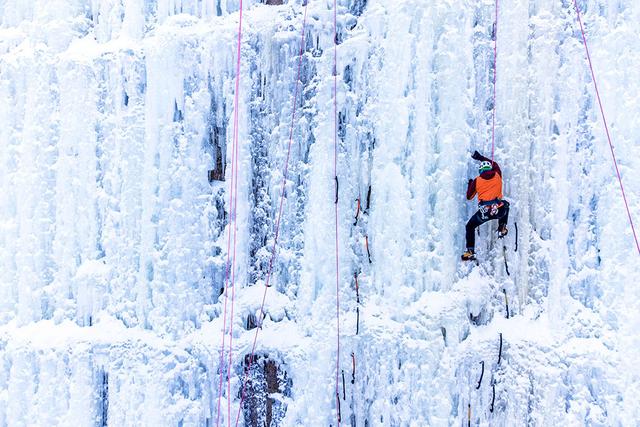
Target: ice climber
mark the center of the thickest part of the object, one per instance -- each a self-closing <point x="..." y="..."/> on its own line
<point x="488" y="187"/>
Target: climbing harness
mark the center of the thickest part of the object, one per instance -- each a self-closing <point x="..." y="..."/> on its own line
<point x="489" y="209"/>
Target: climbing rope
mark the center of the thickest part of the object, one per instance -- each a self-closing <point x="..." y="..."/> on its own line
<point x="606" y="127"/>
<point x="278" y="219"/>
<point x="233" y="269"/>
<point x="335" y="174"/>
<point x="230" y="264"/>
<point x="235" y="211"/>
<point x="495" y="74"/>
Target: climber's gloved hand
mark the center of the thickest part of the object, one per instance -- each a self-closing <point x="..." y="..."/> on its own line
<point x="476" y="155"/>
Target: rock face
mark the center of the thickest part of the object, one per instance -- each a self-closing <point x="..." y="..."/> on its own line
<point x="127" y="299"/>
<point x="265" y="391"/>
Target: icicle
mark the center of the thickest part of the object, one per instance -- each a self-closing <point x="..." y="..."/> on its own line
<point x="355" y="276"/>
<point x="368" y="199"/>
<point x="493" y="395"/>
<point x="355" y="222"/>
<point x="506" y="302"/>
<point x="353" y="368"/>
<point x="481" y="375"/>
<point x="366" y="240"/>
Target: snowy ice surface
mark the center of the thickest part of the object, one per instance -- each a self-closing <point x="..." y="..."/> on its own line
<point x="113" y="244"/>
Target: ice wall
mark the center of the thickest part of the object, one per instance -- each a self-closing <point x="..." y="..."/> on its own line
<point x="113" y="244"/>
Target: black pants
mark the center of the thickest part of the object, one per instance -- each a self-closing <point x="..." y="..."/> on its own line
<point x="478" y="219"/>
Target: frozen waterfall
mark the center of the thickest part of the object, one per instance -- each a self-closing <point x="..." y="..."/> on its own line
<point x="116" y="127"/>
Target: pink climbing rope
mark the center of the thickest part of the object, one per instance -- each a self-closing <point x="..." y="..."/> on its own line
<point x="335" y="174"/>
<point x="495" y="73"/>
<point x="606" y="127"/>
<point x="278" y="220"/>
<point x="230" y="264"/>
<point x="235" y="234"/>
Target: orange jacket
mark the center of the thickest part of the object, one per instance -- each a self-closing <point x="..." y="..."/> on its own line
<point x="488" y="185"/>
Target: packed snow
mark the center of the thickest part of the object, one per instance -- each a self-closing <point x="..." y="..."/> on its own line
<point x="113" y="240"/>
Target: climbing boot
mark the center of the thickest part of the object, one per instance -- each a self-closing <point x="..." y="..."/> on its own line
<point x="502" y="231"/>
<point x="469" y="255"/>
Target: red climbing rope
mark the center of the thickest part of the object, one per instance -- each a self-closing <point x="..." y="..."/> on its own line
<point x="495" y="73"/>
<point x="230" y="265"/>
<point x="606" y="127"/>
<point x="279" y="217"/>
<point x="335" y="174"/>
